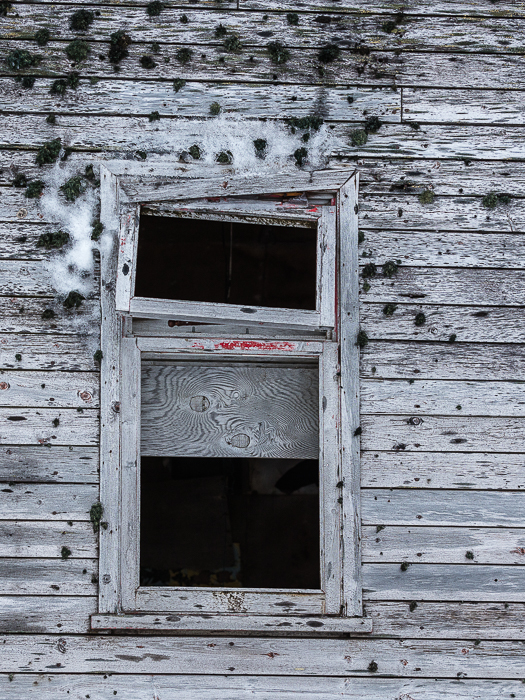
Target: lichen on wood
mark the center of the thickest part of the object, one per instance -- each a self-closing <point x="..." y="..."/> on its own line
<point x="49" y="152"/>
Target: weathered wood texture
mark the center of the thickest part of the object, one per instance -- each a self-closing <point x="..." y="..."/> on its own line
<point x="398" y="658"/>
<point x="456" y="70"/>
<point x="218" y="411"/>
<point x="144" y="687"/>
<point x="447" y="470"/>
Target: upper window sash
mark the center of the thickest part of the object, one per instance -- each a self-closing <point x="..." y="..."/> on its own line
<point x="323" y="317"/>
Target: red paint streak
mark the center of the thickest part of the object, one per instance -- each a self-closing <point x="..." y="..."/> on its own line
<point x="199" y="346"/>
<point x="313" y="209"/>
<point x="253" y="345"/>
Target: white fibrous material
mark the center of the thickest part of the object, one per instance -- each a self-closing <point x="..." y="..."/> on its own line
<point x="72" y="268"/>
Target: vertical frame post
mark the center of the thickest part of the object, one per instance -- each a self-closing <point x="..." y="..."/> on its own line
<point x="350" y="441"/>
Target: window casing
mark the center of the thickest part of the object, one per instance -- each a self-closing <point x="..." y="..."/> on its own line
<point x="137" y="329"/>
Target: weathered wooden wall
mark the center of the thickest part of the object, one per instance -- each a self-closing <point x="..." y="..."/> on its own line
<point x="443" y="463"/>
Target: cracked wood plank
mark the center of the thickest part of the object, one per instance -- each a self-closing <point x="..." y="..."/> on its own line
<point x="458" y="398"/>
<point x="443" y="545"/>
<point x="46" y="577"/>
<point x="60" y="615"/>
<point x="127" y="134"/>
<point x="22" y="463"/>
<point x="450" y="620"/>
<point x="60" y="426"/>
<point x="50" y="686"/>
<point x="469" y="324"/>
<point x="442" y="470"/>
<point x="378" y="68"/>
<point x="49" y="389"/>
<point x="47" y="501"/>
<point x="443" y="508"/>
<point x="45" y="539"/>
<point x="406" y="360"/>
<point x="444" y="582"/>
<point x="401" y="658"/>
<point x="440" y="33"/>
<point x="421" y="432"/>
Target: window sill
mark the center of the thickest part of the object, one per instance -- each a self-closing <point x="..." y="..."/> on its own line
<point x="234" y="623"/>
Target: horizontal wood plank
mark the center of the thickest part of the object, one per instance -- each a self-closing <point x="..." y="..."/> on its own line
<point x="122" y="97"/>
<point x="405" y="211"/>
<point x="443" y="545"/>
<point x="444" y="249"/>
<point x="451" y="620"/>
<point x="462" y="106"/>
<point x="49" y="352"/>
<point x="46" y="577"/>
<point x="420" y="432"/>
<point x="443" y="508"/>
<point x="451" y="286"/>
<point x="49" y="389"/>
<point x="415" y="32"/>
<point x="443" y="397"/>
<point x="45" y="539"/>
<point x="56" y="615"/>
<point x="445" y="470"/>
<point x="193" y="687"/>
<point x="406" y="360"/>
<point x="24" y="315"/>
<point x="47" y="501"/>
<point x="60" y="426"/>
<point x="475" y="324"/>
<point x="28" y="463"/>
<point x="129" y="134"/>
<point x="376" y="68"/>
<point x="443" y="582"/>
<point x="401" y="658"/>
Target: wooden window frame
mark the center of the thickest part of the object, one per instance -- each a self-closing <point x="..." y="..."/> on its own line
<point x="323" y="219"/>
<point x="123" y="604"/>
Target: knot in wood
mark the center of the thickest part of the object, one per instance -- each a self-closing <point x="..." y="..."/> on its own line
<point x="21" y="213"/>
<point x="240" y="440"/>
<point x="61" y="646"/>
<point x="106" y="578"/>
<point x="4" y="386"/>
<point x="199" y="404"/>
<point x="85" y="396"/>
<point x="415" y="420"/>
<point x="115" y="406"/>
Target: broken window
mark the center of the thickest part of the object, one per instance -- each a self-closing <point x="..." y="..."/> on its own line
<point x="238" y="407"/>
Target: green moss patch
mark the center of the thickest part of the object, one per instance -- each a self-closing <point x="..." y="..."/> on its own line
<point x="358" y="137"/>
<point x="224" y="157"/>
<point x="35" y="189"/>
<point x="310" y="122"/>
<point x="147" y="62"/>
<point x="154" y="8"/>
<point x="220" y="31"/>
<point x="426" y="197"/>
<point x="73" y="300"/>
<point x="390" y="268"/>
<point x="492" y="199"/>
<point x="178" y="84"/>
<point x="184" y="55"/>
<point x="215" y="109"/>
<point x="81" y="20"/>
<point x="260" y="147"/>
<point x="118" y="46"/>
<point x="362" y="339"/>
<point x="292" y="19"/>
<point x="388" y="309"/>
<point x="96" y="230"/>
<point x="420" y="319"/>
<point x="21" y="59"/>
<point x="77" y="50"/>
<point x="154" y="116"/>
<point x="56" y="239"/>
<point x="329" y="53"/>
<point x="195" y="151"/>
<point x="42" y="37"/>
<point x="20" y="180"/>
<point x="373" y="124"/>
<point x="73" y="188"/>
<point x="301" y="156"/>
<point x="369" y="270"/>
<point x="233" y="44"/>
<point x="278" y="53"/>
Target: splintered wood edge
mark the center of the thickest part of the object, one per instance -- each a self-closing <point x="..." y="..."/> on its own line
<point x="234" y="623"/>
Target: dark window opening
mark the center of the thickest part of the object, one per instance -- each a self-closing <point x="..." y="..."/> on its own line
<point x="224" y="262"/>
<point x="233" y="522"/>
